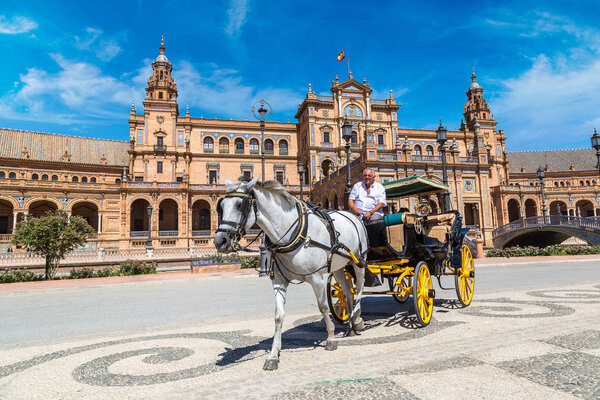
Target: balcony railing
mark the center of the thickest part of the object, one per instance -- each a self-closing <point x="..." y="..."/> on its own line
<point x="168" y="233"/>
<point x="202" y="232"/>
<point x="5" y="237"/>
<point x="468" y="160"/>
<point x="321" y="97"/>
<point x="254" y="151"/>
<point x="427" y="158"/>
<point x="376" y="101"/>
<point x="283" y="153"/>
<point x="160" y="148"/>
<point x="269" y="152"/>
<point x="209" y="150"/>
<point x="239" y="151"/>
<point x="138" y="234"/>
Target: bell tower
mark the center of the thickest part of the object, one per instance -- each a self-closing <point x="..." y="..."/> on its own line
<point x="476" y="106"/>
<point x="161" y="89"/>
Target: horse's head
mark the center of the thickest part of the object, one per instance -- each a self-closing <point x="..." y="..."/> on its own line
<point x="239" y="214"/>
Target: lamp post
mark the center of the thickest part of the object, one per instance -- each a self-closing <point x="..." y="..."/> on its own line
<point x="596" y="145"/>
<point x="301" y="173"/>
<point x="540" y="175"/>
<point x="262" y="113"/>
<point x="149" y="241"/>
<point x="441" y="139"/>
<point x="347" y="136"/>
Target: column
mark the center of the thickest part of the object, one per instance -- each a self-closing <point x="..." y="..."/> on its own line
<point x="15" y="220"/>
<point x="100" y="223"/>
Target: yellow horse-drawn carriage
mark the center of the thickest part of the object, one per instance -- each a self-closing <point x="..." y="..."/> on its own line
<point x="406" y="249"/>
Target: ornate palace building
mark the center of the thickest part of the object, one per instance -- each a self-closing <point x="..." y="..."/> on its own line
<point x="174" y="166"/>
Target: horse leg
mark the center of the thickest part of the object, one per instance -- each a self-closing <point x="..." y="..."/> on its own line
<point x="319" y="285"/>
<point x="340" y="276"/>
<point x="358" y="324"/>
<point x="280" y="285"/>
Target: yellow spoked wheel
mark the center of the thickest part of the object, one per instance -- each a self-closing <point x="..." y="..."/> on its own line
<point x="402" y="289"/>
<point x="423" y="294"/>
<point x="465" y="277"/>
<point x="336" y="299"/>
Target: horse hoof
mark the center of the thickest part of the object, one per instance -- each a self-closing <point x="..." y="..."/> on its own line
<point x="331" y="345"/>
<point x="359" y="325"/>
<point x="271" y="365"/>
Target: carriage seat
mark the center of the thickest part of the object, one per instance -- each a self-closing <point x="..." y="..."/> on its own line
<point x="438" y="226"/>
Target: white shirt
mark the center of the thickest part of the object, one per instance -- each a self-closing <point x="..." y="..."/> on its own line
<point x="364" y="201"/>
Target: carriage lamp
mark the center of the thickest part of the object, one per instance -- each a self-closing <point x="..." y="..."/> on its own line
<point x="301" y="173"/>
<point x="441" y="139"/>
<point x="596" y="145"/>
<point x="149" y="241"/>
<point x="540" y="175"/>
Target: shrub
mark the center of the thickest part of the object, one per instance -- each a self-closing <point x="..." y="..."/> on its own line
<point x="17" y="275"/>
<point x="554" y="250"/>
<point x="129" y="267"/>
<point x="250" y="262"/>
<point x="82" y="273"/>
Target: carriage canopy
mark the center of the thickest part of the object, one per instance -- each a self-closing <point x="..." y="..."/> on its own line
<point x="412" y="185"/>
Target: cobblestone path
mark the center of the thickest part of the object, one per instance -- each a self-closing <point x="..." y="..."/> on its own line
<point x="539" y="344"/>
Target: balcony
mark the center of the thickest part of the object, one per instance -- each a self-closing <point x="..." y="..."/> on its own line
<point x="158" y="148"/>
<point x="254" y="151"/>
<point x="203" y="232"/>
<point x="427" y="158"/>
<point x="137" y="234"/>
<point x="239" y="151"/>
<point x="468" y="160"/>
<point x="168" y="233"/>
<point x="283" y="153"/>
<point x="5" y="237"/>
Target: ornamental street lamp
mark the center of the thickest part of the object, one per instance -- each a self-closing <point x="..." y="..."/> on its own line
<point x="441" y="139"/>
<point x="540" y="176"/>
<point x="596" y="145"/>
<point x="262" y="113"/>
<point x="301" y="173"/>
<point x="347" y="136"/>
<point x="149" y="241"/>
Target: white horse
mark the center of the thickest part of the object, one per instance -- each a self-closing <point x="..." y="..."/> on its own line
<point x="300" y="243"/>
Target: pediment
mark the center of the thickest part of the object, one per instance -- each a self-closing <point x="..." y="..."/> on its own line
<point x="352" y="85"/>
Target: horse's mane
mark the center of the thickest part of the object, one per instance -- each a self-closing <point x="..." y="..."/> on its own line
<point x="273" y="187"/>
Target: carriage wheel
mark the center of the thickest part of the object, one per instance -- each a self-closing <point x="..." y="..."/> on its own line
<point x="465" y="277"/>
<point x="423" y="293"/>
<point x="336" y="299"/>
<point x="402" y="289"/>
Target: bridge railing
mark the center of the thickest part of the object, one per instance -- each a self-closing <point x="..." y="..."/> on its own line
<point x="592" y="223"/>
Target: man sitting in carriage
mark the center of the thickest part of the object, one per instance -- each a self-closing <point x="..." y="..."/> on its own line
<point x="367" y="198"/>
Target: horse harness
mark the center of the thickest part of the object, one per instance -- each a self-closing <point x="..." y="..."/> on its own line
<point x="299" y="233"/>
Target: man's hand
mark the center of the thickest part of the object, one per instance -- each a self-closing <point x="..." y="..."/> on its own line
<point x="367" y="216"/>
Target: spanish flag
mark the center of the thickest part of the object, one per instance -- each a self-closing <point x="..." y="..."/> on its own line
<point x="341" y="56"/>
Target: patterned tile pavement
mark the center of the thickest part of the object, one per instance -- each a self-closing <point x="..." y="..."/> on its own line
<point x="540" y="344"/>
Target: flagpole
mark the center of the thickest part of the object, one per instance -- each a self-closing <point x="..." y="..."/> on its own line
<point x="348" y="58"/>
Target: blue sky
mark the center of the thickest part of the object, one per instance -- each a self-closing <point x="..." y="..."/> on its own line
<point x="75" y="69"/>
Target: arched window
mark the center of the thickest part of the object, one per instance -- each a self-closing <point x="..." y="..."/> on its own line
<point x="268" y="146"/>
<point x="562" y="183"/>
<point x="354" y="138"/>
<point x="209" y="145"/>
<point x="556" y="183"/>
<point x="118" y="180"/>
<point x="283" y="147"/>
<point x="35" y="177"/>
<point x="75" y="179"/>
<point x="254" y="146"/>
<point x="84" y="179"/>
<point x="429" y="150"/>
<point x="418" y="151"/>
<point x="587" y="183"/>
<point x="54" y="177"/>
<point x="223" y="145"/>
<point x="239" y="146"/>
<point x="93" y="179"/>
<point x="581" y="183"/>
<point x="2" y="174"/>
<point x="12" y="175"/>
<point x="44" y="177"/>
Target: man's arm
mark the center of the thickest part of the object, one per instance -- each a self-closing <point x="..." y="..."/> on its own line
<point x="353" y="208"/>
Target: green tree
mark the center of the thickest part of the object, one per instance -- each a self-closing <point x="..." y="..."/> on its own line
<point x="52" y="236"/>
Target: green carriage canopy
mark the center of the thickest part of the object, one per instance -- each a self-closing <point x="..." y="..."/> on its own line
<point x="412" y="185"/>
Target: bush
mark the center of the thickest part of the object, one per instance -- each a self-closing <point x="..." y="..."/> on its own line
<point x="554" y="250"/>
<point x="127" y="268"/>
<point x="250" y="262"/>
<point x="17" y="275"/>
<point x="219" y="258"/>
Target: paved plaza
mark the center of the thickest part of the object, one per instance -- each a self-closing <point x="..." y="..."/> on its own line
<point x="541" y="342"/>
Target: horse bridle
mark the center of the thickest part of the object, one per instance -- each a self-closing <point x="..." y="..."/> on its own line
<point x="238" y="229"/>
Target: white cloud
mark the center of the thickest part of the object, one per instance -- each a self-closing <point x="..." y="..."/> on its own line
<point x="236" y="16"/>
<point x="16" y="25"/>
<point x="555" y="102"/>
<point x="222" y="92"/>
<point x="105" y="49"/>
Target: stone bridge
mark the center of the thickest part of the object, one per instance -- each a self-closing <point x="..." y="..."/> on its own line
<point x="544" y="231"/>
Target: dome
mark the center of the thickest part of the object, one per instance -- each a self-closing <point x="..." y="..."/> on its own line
<point x="474" y="85"/>
<point x="162" y="58"/>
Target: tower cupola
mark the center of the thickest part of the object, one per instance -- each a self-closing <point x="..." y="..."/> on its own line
<point x="161" y="86"/>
